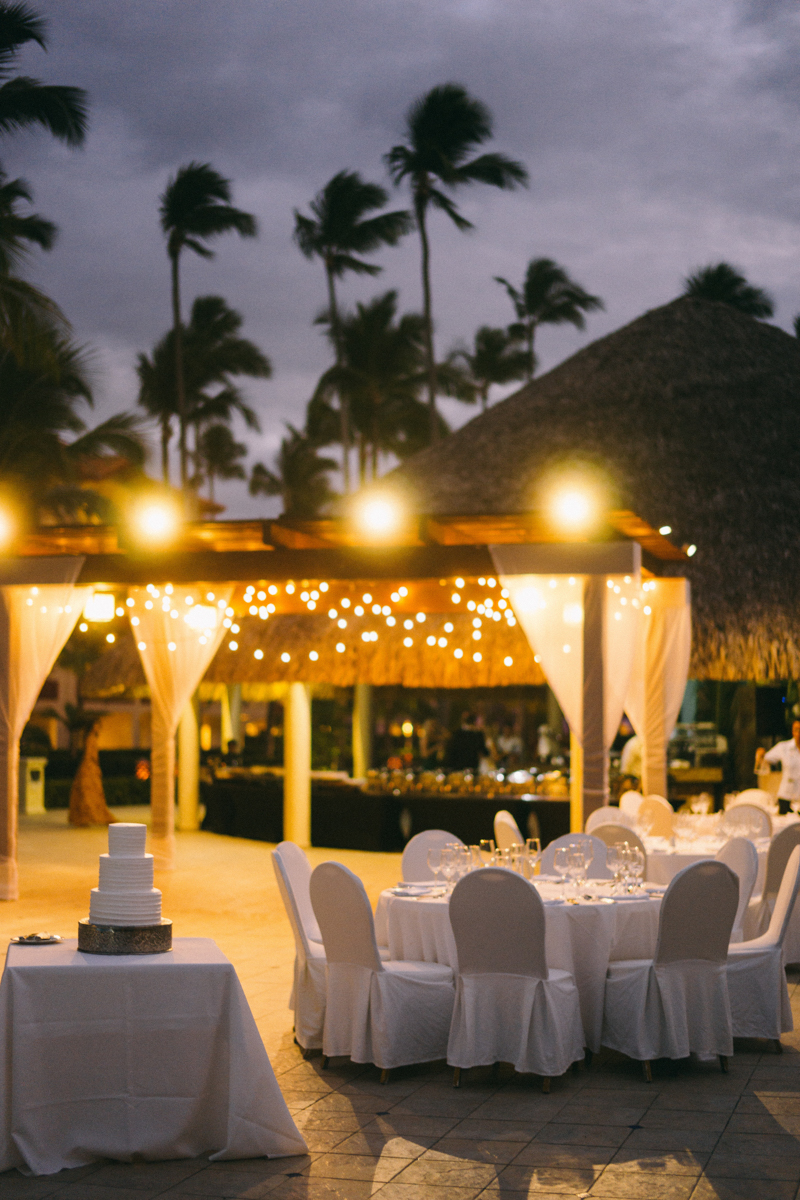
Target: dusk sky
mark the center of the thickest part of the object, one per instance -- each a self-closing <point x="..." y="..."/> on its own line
<point x="660" y="135"/>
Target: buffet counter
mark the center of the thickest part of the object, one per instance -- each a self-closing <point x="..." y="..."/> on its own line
<point x="345" y="816"/>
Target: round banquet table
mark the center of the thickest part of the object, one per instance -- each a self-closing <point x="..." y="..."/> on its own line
<point x="667" y="856"/>
<point x="581" y="938"/>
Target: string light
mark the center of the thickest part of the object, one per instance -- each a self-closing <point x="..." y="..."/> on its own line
<point x="141" y="645"/>
<point x="458" y="653"/>
<point x="259" y="654"/>
<point x="233" y="645"/>
<point x="408" y="642"/>
<point x="110" y="638"/>
<point x="477" y="657"/>
<point x="313" y="656"/>
<point x="508" y="661"/>
<point x="340" y="647"/>
<point x="459" y="582"/>
<point x="285" y="657"/>
<point x="171" y="646"/>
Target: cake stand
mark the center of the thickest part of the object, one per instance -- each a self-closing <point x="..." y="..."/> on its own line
<point x="124" y="939"/>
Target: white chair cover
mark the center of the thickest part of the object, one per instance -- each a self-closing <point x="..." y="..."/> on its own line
<point x="507" y="832"/>
<point x="746" y="817"/>
<point x="677" y="1003"/>
<point x="308" y="985"/>
<point x="609" y="815"/>
<point x="415" y="856"/>
<point x="757" y="796"/>
<point x="508" y="1007"/>
<point x="629" y="803"/>
<point x="388" y="1013"/>
<point x="597" y="867"/>
<point x="656" y="816"/>
<point x="759" y="910"/>
<point x="757" y="987"/>
<point x="742" y="857"/>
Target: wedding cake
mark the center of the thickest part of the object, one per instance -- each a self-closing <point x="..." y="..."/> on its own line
<point x="126" y="895"/>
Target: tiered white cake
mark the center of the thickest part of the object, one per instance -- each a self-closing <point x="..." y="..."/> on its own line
<point x="126" y="895"/>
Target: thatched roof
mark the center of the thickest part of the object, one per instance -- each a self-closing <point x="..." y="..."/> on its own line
<point x="692" y="413"/>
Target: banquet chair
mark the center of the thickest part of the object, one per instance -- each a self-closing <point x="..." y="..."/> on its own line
<point x="609" y="815"/>
<point x="743" y="817"/>
<point x="293" y="872"/>
<point x="757" y="988"/>
<point x="676" y="1003"/>
<point x="760" y="908"/>
<point x="655" y="817"/>
<point x="613" y="835"/>
<point x="509" y="1007"/>
<point x="388" y="1013"/>
<point x="757" y="796"/>
<point x="597" y="867"/>
<point x="741" y="856"/>
<point x="629" y="803"/>
<point x="507" y="832"/>
<point x="415" y="867"/>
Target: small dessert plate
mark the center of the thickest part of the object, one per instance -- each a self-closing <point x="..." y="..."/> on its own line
<point x="37" y="939"/>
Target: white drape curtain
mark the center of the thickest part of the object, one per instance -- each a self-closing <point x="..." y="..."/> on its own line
<point x="660" y="671"/>
<point x="549" y="609"/>
<point x="35" y="622"/>
<point x="178" y="631"/>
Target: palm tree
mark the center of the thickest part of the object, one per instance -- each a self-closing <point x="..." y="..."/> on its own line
<point x="726" y="284"/>
<point x="27" y="316"/>
<point x="547" y="297"/>
<point x="194" y="208"/>
<point x="214" y="354"/>
<point x="443" y="128"/>
<point x="339" y="232"/>
<point x="218" y="456"/>
<point x="495" y="358"/>
<point x="300" y="476"/>
<point x="796" y="325"/>
<point x="24" y="101"/>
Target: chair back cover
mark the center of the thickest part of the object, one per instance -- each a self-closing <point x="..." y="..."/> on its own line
<point x="506" y="831"/>
<point x="297" y="874"/>
<point x="498" y="924"/>
<point x="612" y="835"/>
<point x="780" y="850"/>
<point x="741" y="856"/>
<point x="415" y="856"/>
<point x="609" y="815"/>
<point x="697" y="914"/>
<point x="656" y="815"/>
<point x="747" y="816"/>
<point x="629" y="803"/>
<point x="785" y="902"/>
<point x="597" y="867"/>
<point x="290" y="904"/>
<point x="345" y="917"/>
<point x="757" y="796"/>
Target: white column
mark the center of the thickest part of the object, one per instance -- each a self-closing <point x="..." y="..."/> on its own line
<point x="594" y="756"/>
<point x="362" y="729"/>
<point x="297" y="764"/>
<point x="188" y="769"/>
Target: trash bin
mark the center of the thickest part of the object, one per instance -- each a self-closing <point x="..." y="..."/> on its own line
<point x="31" y="785"/>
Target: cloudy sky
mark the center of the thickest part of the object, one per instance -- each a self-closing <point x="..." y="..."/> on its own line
<point x="659" y="135"/>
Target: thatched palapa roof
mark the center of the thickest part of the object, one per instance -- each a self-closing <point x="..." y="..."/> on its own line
<point x="692" y="415"/>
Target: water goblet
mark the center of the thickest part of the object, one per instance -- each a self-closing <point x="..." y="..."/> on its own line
<point x="448" y="866"/>
<point x="636" y="867"/>
<point x="477" y="856"/>
<point x="435" y="863"/>
<point x="487" y="852"/>
<point x="561" y="862"/>
<point x="614" y="864"/>
<point x="576" y="865"/>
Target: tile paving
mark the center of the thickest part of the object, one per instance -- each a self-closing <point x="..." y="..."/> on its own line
<point x="693" y="1134"/>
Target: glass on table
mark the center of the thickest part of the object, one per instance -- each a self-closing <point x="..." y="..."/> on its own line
<point x="614" y="864"/>
<point x="637" y="864"/>
<point x="434" y="859"/>
<point x="561" y="863"/>
<point x="448" y="865"/>
<point x="476" y="856"/>
<point x="487" y="851"/>
<point x="576" y="864"/>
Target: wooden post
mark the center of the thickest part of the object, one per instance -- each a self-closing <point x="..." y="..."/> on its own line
<point x="297" y="764"/>
<point x="362" y="730"/>
<point x="595" y="759"/>
<point x="188" y="769"/>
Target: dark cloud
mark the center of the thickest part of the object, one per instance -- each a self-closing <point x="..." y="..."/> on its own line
<point x="659" y="135"/>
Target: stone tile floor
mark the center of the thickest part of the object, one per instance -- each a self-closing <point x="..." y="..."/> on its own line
<point x="693" y="1134"/>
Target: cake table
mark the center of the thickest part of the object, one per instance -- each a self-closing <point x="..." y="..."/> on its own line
<point x="140" y="1057"/>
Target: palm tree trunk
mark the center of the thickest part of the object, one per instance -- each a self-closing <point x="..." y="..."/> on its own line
<point x="180" y="389"/>
<point x="166" y="434"/>
<point x="430" y="361"/>
<point x="344" y="403"/>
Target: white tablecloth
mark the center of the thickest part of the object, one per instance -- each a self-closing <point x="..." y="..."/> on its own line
<point x="581" y="939"/>
<point x="151" y="1057"/>
<point x="665" y="860"/>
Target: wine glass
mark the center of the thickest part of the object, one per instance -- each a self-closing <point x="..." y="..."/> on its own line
<point x="487" y="851"/>
<point x="587" y="849"/>
<point x="576" y="864"/>
<point x="476" y="857"/>
<point x="464" y="861"/>
<point x="636" y="859"/>
<point x="533" y="852"/>
<point x="614" y="864"/>
<point x="561" y="862"/>
<point x="435" y="863"/>
<point x="448" y="865"/>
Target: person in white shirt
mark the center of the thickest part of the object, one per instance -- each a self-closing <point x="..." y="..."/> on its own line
<point x="788" y="755"/>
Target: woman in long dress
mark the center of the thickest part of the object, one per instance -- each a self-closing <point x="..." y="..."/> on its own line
<point x="87" y="800"/>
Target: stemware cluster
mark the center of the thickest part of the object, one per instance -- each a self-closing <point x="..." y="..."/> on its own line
<point x="628" y="864"/>
<point x="454" y="860"/>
